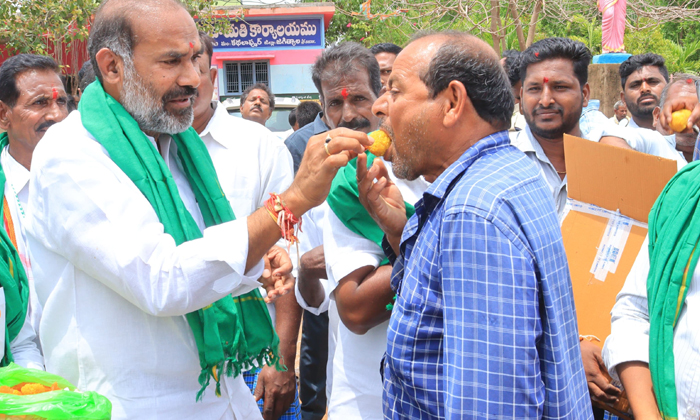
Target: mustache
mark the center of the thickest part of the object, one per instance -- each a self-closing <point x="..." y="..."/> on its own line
<point x="647" y="95"/>
<point x="355" y="124"/>
<point x="45" y="125"/>
<point x="258" y="107"/>
<point x="179" y="92"/>
<point x="553" y="107"/>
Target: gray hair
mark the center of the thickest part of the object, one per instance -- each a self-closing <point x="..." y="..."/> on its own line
<point x="677" y="78"/>
<point x="343" y="59"/>
<point x="617" y="105"/>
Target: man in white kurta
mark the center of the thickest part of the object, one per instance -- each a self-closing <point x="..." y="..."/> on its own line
<point x="38" y="101"/>
<point x="114" y="286"/>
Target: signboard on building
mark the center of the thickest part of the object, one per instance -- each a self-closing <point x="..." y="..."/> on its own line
<point x="272" y="33"/>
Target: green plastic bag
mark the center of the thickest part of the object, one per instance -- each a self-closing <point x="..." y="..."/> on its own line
<point x="52" y="405"/>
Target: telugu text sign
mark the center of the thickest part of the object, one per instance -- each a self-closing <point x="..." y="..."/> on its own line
<point x="286" y="33"/>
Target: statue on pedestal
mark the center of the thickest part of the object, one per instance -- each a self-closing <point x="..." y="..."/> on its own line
<point x="614" y="12"/>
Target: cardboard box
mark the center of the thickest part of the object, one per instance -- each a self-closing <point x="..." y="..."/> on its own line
<point x="602" y="242"/>
<point x="613" y="179"/>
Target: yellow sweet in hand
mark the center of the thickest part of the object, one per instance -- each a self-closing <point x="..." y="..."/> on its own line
<point x="381" y="144"/>
<point x="679" y="120"/>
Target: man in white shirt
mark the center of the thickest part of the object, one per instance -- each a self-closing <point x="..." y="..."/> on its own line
<point x="620" y="118"/>
<point x="131" y="311"/>
<point x="554" y="91"/>
<point x="643" y="77"/>
<point x="251" y="164"/>
<point x="32" y="99"/>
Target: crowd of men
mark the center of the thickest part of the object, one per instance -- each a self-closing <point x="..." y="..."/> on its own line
<point x="168" y="255"/>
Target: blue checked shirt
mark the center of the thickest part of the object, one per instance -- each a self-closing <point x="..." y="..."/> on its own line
<point x="484" y="325"/>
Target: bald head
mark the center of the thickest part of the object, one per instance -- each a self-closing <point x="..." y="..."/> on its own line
<point x="458" y="56"/>
<point x="116" y="22"/>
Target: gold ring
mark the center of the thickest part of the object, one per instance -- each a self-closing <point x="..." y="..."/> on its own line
<point x="325" y="146"/>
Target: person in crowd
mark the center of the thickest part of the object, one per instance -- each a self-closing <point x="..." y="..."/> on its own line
<point x="682" y="85"/>
<point x="32" y="99"/>
<point x="620" y="118"/>
<point x="231" y="142"/>
<point x="385" y="53"/>
<point x="257" y="103"/>
<point x="483" y="249"/>
<point x="86" y="75"/>
<point x="292" y="119"/>
<point x="554" y="74"/>
<point x="307" y="112"/>
<point x="139" y="256"/>
<point x="643" y="77"/>
<point x="347" y="78"/>
<point x="511" y="63"/>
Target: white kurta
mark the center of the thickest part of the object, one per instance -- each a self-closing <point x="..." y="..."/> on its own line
<point x="356" y="381"/>
<point x="24" y="347"/>
<point x="115" y="288"/>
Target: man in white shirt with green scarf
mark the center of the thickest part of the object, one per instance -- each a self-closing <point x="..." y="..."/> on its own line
<point x="138" y="250"/>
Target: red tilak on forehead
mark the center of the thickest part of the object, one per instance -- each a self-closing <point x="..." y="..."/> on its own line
<point x="191" y="45"/>
<point x="546" y="79"/>
<point x="689" y="81"/>
<point x="344" y="92"/>
<point x="55" y="93"/>
<point x="537" y="54"/>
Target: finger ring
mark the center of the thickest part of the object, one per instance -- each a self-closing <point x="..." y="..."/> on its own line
<point x="328" y="138"/>
<point x="325" y="145"/>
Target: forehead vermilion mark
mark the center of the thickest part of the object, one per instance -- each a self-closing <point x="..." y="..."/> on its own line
<point x="55" y="93"/>
<point x="537" y="54"/>
<point x="689" y="81"/>
<point x="191" y="45"/>
<point x="546" y="80"/>
<point x="344" y="92"/>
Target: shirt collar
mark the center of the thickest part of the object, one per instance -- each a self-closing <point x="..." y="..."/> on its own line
<point x="318" y="125"/>
<point x="215" y="127"/>
<point x="486" y="145"/>
<point x="16" y="173"/>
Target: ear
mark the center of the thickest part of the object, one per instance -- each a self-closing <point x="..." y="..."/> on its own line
<point x="111" y="67"/>
<point x="656" y="113"/>
<point x="213" y="73"/>
<point x="586" y="94"/>
<point x="456" y="103"/>
<point x="622" y="98"/>
<point x="4" y="116"/>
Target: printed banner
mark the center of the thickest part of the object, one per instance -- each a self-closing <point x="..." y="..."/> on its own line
<point x="285" y="33"/>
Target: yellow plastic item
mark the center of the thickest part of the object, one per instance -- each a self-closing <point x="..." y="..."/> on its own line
<point x="679" y="120"/>
<point x="381" y="144"/>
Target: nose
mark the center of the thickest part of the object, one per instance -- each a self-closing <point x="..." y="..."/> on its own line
<point x="349" y="111"/>
<point x="380" y="106"/>
<point x="56" y="112"/>
<point x="645" y="86"/>
<point x="546" y="97"/>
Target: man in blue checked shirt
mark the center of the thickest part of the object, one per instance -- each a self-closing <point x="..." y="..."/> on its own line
<point x="484" y="324"/>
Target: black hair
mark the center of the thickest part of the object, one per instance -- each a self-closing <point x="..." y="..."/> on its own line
<point x="343" y="59"/>
<point x="512" y="66"/>
<point x="307" y="112"/>
<point x="638" y="61"/>
<point x="386" y="47"/>
<point x="262" y="87"/>
<point x="477" y="69"/>
<point x="292" y="118"/>
<point x="13" y="67"/>
<point x="207" y="44"/>
<point x="86" y="75"/>
<point x="551" y="48"/>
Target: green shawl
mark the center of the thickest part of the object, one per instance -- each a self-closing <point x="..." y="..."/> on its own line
<point x="344" y="200"/>
<point x="233" y="332"/>
<point x="13" y="278"/>
<point x="674" y="232"/>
